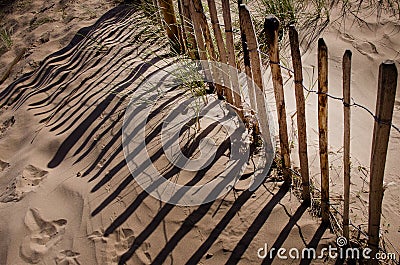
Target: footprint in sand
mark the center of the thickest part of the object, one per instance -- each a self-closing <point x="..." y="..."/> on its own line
<point x="67" y="257"/>
<point x="24" y="182"/>
<point x="6" y="124"/>
<point x="43" y="236"/>
<point x="117" y="243"/>
<point x="3" y="165"/>
<point x="366" y="48"/>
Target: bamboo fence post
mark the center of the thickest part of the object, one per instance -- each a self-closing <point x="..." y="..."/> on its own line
<point x="271" y="26"/>
<point x="346" y="67"/>
<point x="231" y="56"/>
<point x="323" y="126"/>
<point x="221" y="49"/>
<point x="387" y="85"/>
<point x="301" y="112"/>
<point x="248" y="30"/>
<point x="167" y="8"/>
<point x="191" y="44"/>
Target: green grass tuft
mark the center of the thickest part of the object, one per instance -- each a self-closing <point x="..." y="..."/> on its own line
<point x="5" y="36"/>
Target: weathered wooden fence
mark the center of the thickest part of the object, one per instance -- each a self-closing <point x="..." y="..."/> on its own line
<point x="194" y="36"/>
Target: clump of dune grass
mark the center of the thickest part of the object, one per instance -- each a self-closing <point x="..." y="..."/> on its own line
<point x="310" y="18"/>
<point x="5" y="36"/>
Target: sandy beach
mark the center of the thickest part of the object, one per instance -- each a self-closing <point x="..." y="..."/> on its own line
<point x="67" y="192"/>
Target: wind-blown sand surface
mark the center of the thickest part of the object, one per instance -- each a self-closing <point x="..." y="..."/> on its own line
<point x="66" y="194"/>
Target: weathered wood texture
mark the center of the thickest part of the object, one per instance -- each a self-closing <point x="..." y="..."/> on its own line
<point x="323" y="127"/>
<point x="301" y="112"/>
<point x="167" y="8"/>
<point x="346" y="67"/>
<point x="271" y="27"/>
<point x="387" y="86"/>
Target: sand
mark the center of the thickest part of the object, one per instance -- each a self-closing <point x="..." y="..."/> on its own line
<point x="66" y="193"/>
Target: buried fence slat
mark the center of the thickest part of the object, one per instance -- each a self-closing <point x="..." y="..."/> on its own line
<point x="271" y="26"/>
<point x="301" y="112"/>
<point x="167" y="8"/>
<point x="190" y="38"/>
<point x="346" y="67"/>
<point x="323" y="127"/>
<point x="231" y="56"/>
<point x="253" y="63"/>
<point x="221" y="49"/>
<point x="387" y="85"/>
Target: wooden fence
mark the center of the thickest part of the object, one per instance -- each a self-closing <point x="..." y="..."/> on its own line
<point x="194" y="38"/>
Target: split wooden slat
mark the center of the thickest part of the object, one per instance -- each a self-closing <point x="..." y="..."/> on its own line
<point x="387" y="85"/>
<point x="221" y="50"/>
<point x="167" y="8"/>
<point x="182" y="35"/>
<point x="323" y="127"/>
<point x="271" y="27"/>
<point x="191" y="44"/>
<point x="201" y="17"/>
<point x="200" y="42"/>
<point x="254" y="60"/>
<point x="231" y="56"/>
<point x="346" y="67"/>
<point x="301" y="112"/>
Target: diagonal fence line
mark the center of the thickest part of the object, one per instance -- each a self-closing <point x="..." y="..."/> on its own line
<point x="353" y="104"/>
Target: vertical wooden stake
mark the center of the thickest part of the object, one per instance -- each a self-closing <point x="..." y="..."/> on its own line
<point x="271" y="26"/>
<point x="221" y="49"/>
<point x="182" y="35"/>
<point x="191" y="43"/>
<point x="301" y="112"/>
<point x="248" y="72"/>
<point x="346" y="67"/>
<point x="387" y="85"/>
<point x="167" y="8"/>
<point x="198" y="8"/>
<point x="200" y="41"/>
<point x="247" y="28"/>
<point x="323" y="127"/>
<point x="231" y="56"/>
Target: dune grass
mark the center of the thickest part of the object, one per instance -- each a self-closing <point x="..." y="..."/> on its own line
<point x="5" y="36"/>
